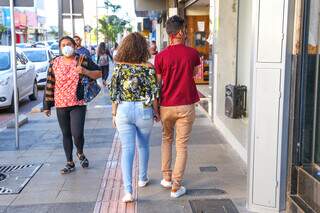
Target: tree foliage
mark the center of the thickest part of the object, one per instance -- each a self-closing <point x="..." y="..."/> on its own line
<point x="114" y="7"/>
<point x="111" y="26"/>
<point x="2" y="28"/>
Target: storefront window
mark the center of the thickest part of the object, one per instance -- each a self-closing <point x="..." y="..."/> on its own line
<point x="310" y="88"/>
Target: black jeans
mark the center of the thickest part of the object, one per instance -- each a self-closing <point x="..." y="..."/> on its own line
<point x="105" y="72"/>
<point x="71" y="121"/>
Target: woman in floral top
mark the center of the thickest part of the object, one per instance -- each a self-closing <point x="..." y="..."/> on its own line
<point x="134" y="93"/>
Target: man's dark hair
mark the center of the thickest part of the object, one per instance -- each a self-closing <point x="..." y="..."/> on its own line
<point x="174" y="24"/>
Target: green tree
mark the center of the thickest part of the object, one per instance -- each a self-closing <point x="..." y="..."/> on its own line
<point x="3" y="29"/>
<point x="111" y="26"/>
<point x="114" y="7"/>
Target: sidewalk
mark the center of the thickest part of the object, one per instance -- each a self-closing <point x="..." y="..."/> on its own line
<point x="207" y="148"/>
<point x="99" y="189"/>
<point x="41" y="142"/>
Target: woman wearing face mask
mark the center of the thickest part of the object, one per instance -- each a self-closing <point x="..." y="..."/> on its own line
<point x="61" y="91"/>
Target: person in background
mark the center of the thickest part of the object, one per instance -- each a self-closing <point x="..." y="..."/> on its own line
<point x="115" y="50"/>
<point x="61" y="91"/>
<point x="79" y="48"/>
<point x="93" y="53"/>
<point x="103" y="56"/>
<point x="153" y="51"/>
<point x="176" y="67"/>
<point x="134" y="92"/>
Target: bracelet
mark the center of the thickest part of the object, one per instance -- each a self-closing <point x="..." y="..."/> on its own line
<point x="114" y="114"/>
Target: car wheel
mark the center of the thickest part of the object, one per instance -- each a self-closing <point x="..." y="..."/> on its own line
<point x="34" y="95"/>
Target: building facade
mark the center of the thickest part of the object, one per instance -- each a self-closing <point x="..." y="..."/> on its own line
<point x="263" y="59"/>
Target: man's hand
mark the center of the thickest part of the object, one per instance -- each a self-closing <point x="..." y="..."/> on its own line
<point x="156" y="116"/>
<point x="47" y="113"/>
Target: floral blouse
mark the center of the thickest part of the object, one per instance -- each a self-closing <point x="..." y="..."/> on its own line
<point x="133" y="82"/>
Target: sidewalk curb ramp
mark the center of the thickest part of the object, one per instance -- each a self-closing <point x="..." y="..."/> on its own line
<point x="37" y="109"/>
<point x="23" y="119"/>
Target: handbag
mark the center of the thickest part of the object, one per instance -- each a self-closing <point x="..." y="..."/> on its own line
<point x="87" y="88"/>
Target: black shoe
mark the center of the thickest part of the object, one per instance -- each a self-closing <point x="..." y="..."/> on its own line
<point x="84" y="162"/>
<point x="68" y="168"/>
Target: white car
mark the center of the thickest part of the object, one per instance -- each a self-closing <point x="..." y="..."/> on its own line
<point x="40" y="57"/>
<point x="44" y="43"/>
<point x="26" y="78"/>
<point x="55" y="49"/>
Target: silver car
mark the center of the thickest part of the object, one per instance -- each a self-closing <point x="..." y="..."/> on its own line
<point x="26" y="78"/>
<point x="40" y="57"/>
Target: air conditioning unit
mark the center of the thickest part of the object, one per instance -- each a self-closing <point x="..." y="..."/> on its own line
<point x="235" y="101"/>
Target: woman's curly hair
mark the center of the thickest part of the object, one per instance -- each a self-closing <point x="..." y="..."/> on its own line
<point x="133" y="49"/>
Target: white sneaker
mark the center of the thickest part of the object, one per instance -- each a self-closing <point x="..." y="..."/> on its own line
<point x="127" y="198"/>
<point x="143" y="183"/>
<point x="179" y="192"/>
<point x="166" y="184"/>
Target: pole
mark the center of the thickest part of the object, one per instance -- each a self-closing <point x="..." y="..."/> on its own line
<point x="60" y="19"/>
<point x="71" y="18"/>
<point x="14" y="71"/>
<point x="97" y="22"/>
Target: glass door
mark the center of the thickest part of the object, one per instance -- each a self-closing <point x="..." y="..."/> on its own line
<point x="304" y="181"/>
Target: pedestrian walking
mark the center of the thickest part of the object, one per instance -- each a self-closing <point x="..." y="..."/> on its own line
<point x="62" y="91"/>
<point x="134" y="92"/>
<point x="79" y="48"/>
<point x="115" y="50"/>
<point x="175" y="67"/>
<point x="103" y="56"/>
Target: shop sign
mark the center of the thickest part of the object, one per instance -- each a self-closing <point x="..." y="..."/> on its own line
<point x="17" y="3"/>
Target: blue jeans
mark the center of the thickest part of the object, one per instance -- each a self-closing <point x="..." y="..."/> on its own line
<point x="134" y="123"/>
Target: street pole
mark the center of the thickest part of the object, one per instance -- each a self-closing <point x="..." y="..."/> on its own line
<point x="14" y="71"/>
<point x="97" y="22"/>
<point x="71" y="18"/>
<point x="60" y="19"/>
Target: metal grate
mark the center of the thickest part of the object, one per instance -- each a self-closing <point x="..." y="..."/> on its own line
<point x="2" y="176"/>
<point x="7" y="169"/>
<point x="213" y="206"/>
<point x="13" y="178"/>
<point x="208" y="169"/>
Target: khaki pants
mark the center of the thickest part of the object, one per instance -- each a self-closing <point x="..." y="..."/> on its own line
<point x="180" y="119"/>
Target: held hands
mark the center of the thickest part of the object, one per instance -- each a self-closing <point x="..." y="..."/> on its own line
<point x="156" y="116"/>
<point x="81" y="70"/>
<point x="47" y="113"/>
<point x="114" y="122"/>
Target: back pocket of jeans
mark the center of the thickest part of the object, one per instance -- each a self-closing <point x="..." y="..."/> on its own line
<point x="147" y="113"/>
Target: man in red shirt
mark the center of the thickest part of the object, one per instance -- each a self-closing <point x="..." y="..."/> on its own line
<point x="175" y="67"/>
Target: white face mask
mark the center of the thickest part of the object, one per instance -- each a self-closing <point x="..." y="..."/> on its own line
<point x="67" y="51"/>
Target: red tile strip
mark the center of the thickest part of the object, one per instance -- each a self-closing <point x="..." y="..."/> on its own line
<point x="111" y="190"/>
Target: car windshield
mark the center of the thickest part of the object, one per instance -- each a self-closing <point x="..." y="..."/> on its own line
<point x="54" y="46"/>
<point x="4" y="61"/>
<point x="36" y="55"/>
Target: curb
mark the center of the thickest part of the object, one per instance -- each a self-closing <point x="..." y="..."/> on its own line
<point x="37" y="109"/>
<point x="23" y="119"/>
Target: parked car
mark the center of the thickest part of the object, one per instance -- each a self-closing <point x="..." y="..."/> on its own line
<point x="26" y="78"/>
<point x="24" y="45"/>
<point x="43" y="43"/>
<point x="40" y="57"/>
<point x="55" y="48"/>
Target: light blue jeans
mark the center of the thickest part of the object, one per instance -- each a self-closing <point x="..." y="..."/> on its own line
<point x="134" y="123"/>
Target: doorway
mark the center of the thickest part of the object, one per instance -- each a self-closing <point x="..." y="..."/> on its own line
<point x="304" y="179"/>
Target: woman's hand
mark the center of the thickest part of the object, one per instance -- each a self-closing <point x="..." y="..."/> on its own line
<point x="47" y="113"/>
<point x="81" y="70"/>
<point x="114" y="125"/>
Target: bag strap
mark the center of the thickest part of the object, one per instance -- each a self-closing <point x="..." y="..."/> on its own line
<point x="80" y="60"/>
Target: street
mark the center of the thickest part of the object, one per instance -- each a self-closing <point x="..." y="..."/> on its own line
<point x="25" y="106"/>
